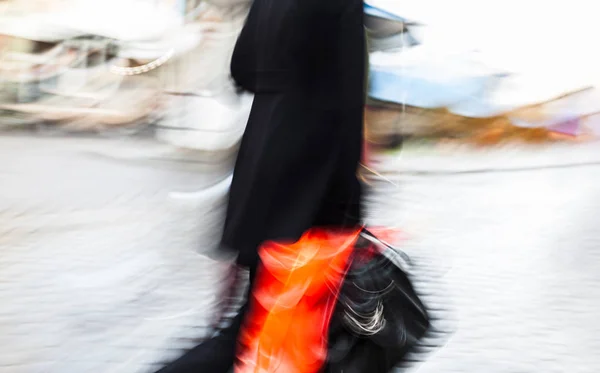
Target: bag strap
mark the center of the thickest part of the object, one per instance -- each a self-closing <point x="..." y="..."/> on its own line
<point x="395" y="255"/>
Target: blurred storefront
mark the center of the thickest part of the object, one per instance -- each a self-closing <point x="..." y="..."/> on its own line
<point x="156" y="64"/>
<point x="126" y="66"/>
<point x="450" y="76"/>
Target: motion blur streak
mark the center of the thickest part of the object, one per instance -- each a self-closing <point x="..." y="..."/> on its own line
<point x="119" y="128"/>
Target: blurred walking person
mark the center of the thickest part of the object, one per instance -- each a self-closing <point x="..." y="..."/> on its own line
<point x="305" y="62"/>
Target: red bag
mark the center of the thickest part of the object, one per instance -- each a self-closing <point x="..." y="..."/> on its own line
<point x="292" y="303"/>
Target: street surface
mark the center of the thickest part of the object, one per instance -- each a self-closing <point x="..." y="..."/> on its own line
<point x="102" y="272"/>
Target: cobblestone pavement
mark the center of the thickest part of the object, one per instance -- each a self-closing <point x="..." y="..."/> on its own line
<point x="101" y="272"/>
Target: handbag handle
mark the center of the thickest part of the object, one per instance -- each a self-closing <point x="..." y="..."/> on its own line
<point x="397" y="256"/>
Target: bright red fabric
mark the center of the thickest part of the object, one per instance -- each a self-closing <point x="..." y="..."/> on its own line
<point x="292" y="303"/>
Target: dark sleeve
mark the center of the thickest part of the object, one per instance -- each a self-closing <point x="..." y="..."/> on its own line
<point x="351" y="74"/>
<point x="330" y="49"/>
<point x="336" y="50"/>
<point x="352" y="57"/>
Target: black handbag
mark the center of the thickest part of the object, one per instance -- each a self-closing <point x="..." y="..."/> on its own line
<point x="379" y="317"/>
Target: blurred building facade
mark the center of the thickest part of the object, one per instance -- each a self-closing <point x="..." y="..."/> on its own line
<point x="164" y="65"/>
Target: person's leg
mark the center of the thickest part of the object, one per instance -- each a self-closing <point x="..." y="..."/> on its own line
<point x="217" y="354"/>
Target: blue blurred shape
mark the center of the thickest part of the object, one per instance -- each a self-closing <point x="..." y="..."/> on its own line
<point x="418" y="91"/>
<point x="371" y="10"/>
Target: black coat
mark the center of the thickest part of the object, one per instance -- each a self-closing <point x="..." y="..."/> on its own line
<point x="305" y="62"/>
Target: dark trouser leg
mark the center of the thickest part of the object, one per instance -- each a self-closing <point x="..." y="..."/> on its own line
<point x="217" y="354"/>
